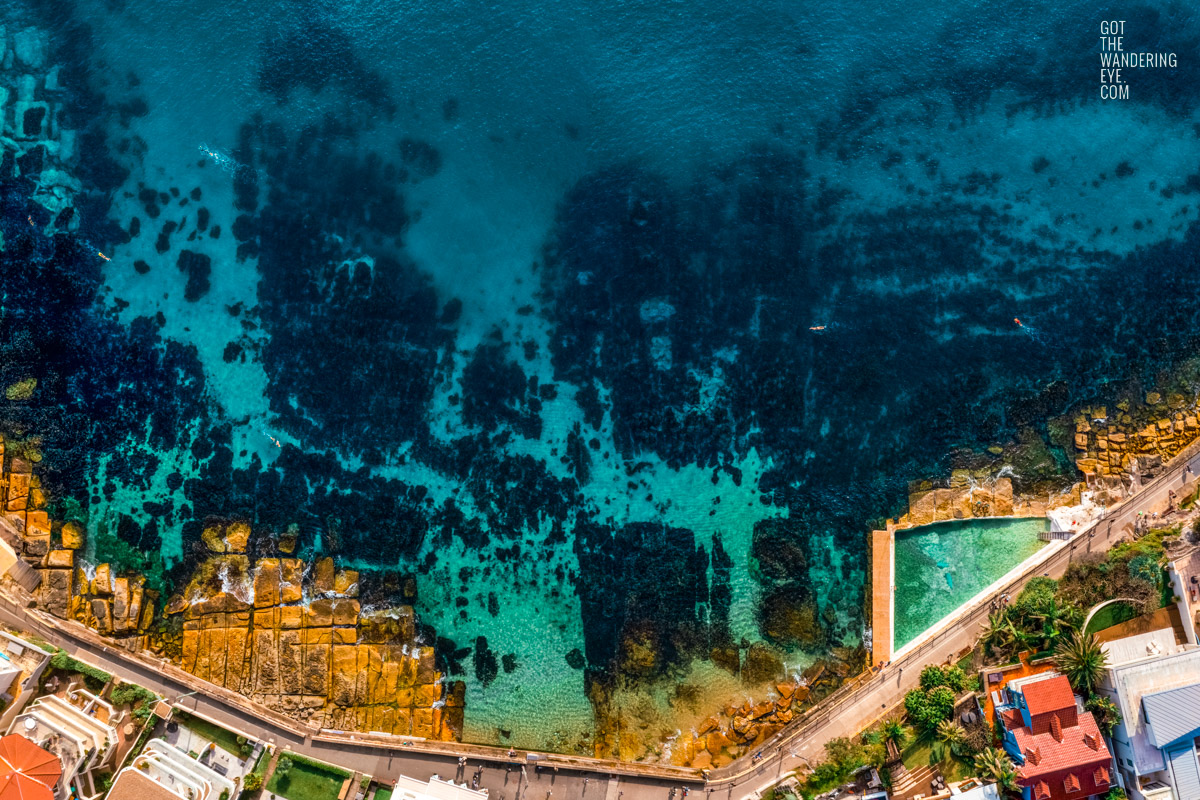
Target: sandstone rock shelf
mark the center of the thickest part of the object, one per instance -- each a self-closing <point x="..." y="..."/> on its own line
<point x="289" y="635"/>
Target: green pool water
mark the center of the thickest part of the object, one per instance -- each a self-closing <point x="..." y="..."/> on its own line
<point x="940" y="567"/>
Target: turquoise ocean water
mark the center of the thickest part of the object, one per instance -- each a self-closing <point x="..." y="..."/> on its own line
<point x="614" y="325"/>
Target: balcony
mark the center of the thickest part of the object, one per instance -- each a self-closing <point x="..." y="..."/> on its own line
<point x="1155" y="790"/>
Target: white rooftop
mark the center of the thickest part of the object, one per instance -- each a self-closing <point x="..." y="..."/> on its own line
<point x="1127" y="683"/>
<point x="988" y="792"/>
<point x="1142" y="646"/>
<point x="179" y="773"/>
<point x="436" y="789"/>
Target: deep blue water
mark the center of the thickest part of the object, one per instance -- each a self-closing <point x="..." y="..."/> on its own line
<point x="520" y="299"/>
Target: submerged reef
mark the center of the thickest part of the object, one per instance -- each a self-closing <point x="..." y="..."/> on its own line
<point x="621" y="471"/>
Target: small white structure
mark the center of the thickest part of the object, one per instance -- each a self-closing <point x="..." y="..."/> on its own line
<point x="164" y="771"/>
<point x="436" y="789"/>
<point x="973" y="789"/>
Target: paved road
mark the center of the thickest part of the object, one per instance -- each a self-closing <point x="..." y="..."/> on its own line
<point x="504" y="781"/>
<point x="804" y="744"/>
<point x="794" y="747"/>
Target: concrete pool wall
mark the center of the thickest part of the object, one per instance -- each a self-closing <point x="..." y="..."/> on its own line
<point x="932" y="571"/>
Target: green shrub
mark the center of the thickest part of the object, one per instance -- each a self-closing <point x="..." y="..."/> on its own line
<point x="140" y="700"/>
<point x="93" y="677"/>
<point x="926" y="709"/>
<point x="1107" y="715"/>
<point x="252" y="782"/>
<point x="932" y="676"/>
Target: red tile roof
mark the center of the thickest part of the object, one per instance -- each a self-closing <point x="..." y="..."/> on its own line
<point x="1048" y="695"/>
<point x="1012" y="719"/>
<point x="1075" y="750"/>
<point x="1071" y="768"/>
<point x="27" y="772"/>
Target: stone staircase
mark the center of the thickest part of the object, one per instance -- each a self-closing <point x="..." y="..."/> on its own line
<point x="914" y="783"/>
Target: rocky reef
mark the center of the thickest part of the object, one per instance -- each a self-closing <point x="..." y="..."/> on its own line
<point x="290" y="635"/>
<point x="740" y="728"/>
<point x="1135" y="438"/>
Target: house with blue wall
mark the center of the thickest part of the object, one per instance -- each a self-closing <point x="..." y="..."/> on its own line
<point x="1154" y="680"/>
<point x="1056" y="746"/>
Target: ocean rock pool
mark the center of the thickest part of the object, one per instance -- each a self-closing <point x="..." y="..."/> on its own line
<point x="940" y="567"/>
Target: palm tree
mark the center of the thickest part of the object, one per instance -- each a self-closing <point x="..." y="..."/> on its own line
<point x="951" y="734"/>
<point x="894" y="731"/>
<point x="1056" y="620"/>
<point x="998" y="634"/>
<point x="994" y="765"/>
<point x="950" y="739"/>
<point x="1082" y="660"/>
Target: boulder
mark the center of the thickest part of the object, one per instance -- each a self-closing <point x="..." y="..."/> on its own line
<point x="29" y="47"/>
<point x="291" y="571"/>
<point x="320" y="613"/>
<point x="741" y="727"/>
<point x="120" y="605"/>
<point x="211" y="536"/>
<point x="237" y="537"/>
<point x="345" y="612"/>
<point x="323" y="576"/>
<point x="61" y="559"/>
<point x="1002" y="494"/>
<point x="56" y="591"/>
<point x="103" y="615"/>
<point x="762" y="710"/>
<point x="716" y="741"/>
<point x="73" y="536"/>
<point x="345" y="583"/>
<point x="267" y="581"/>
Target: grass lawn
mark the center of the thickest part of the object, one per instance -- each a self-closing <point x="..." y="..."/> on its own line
<point x="916" y="755"/>
<point x="1113" y="614"/>
<point x="226" y="740"/>
<point x="307" y="781"/>
<point x="383" y="793"/>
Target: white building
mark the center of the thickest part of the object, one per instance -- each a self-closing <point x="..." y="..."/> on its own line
<point x="164" y="772"/>
<point x="1154" y="680"/>
<point x="73" y="733"/>
<point x="435" y="789"/>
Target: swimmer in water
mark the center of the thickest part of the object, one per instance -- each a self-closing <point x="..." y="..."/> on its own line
<point x="1019" y="323"/>
<point x="106" y="258"/>
<point x="817" y="328"/>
